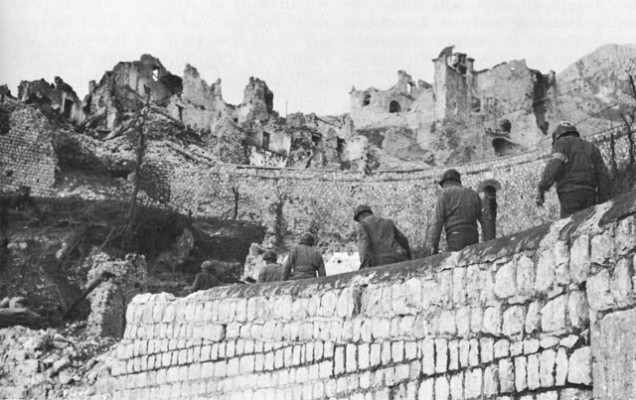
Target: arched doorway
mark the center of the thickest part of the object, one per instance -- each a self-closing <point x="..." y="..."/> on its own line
<point x="394" y="107"/>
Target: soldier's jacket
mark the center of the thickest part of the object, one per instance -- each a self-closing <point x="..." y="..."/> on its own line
<point x="457" y="207"/>
<point x="380" y="242"/>
<point x="271" y="273"/>
<point x="203" y="281"/>
<point x="576" y="164"/>
<point x="304" y="262"/>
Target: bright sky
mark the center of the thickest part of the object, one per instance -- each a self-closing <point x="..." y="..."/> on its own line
<point x="310" y="53"/>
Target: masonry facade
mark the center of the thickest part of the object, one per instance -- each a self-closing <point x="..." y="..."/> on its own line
<point x="509" y="319"/>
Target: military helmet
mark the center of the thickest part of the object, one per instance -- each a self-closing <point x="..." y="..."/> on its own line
<point x="359" y="210"/>
<point x="450" y="174"/>
<point x="564" y="128"/>
<point x="307" y="238"/>
<point x="208" y="266"/>
<point x="270" y="255"/>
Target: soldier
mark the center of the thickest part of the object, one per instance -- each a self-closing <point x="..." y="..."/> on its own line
<point x="204" y="280"/>
<point x="577" y="167"/>
<point x="304" y="261"/>
<point x="272" y="271"/>
<point x="458" y="209"/>
<point x="380" y="242"/>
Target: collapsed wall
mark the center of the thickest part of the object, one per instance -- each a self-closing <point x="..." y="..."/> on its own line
<point x="505" y="319"/>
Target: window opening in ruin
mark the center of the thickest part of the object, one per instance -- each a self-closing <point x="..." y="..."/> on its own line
<point x="265" y="141"/>
<point x="316" y="139"/>
<point x="155" y="74"/>
<point x="366" y="100"/>
<point x="68" y="108"/>
<point x="394" y="107"/>
<point x="180" y="113"/>
<point x="409" y="88"/>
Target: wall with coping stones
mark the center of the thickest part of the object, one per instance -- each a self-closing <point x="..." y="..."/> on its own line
<point x="324" y="200"/>
<point x="508" y="319"/>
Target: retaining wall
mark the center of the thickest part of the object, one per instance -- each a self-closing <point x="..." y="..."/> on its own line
<point x="507" y="319"/>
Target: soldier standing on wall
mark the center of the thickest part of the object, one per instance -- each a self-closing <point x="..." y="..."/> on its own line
<point x="204" y="280"/>
<point x="577" y="167"/>
<point x="380" y="242"/>
<point x="304" y="261"/>
<point x="272" y="271"/>
<point x="458" y="209"/>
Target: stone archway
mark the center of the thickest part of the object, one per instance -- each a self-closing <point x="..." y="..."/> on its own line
<point x="394" y="107"/>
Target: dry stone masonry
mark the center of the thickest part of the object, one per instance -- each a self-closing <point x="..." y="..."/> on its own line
<point x="507" y="319"/>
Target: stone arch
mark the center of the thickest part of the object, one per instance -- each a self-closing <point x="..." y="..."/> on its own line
<point x="394" y="107"/>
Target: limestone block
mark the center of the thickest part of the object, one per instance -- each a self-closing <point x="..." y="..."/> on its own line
<point x="413" y="295"/>
<point x="533" y="316"/>
<point x="462" y="321"/>
<point x="472" y="284"/>
<point x="621" y="284"/>
<point x="194" y="371"/>
<point x="375" y="358"/>
<point x="445" y="286"/>
<point x="382" y="328"/>
<point x="548" y="342"/>
<point x="233" y="330"/>
<point x="532" y="368"/>
<point x="578" y="309"/>
<point x="464" y="352"/>
<point x="365" y="380"/>
<point x="410" y="350"/>
<point x="476" y="319"/>
<point x="328" y="304"/>
<point x="405" y="326"/>
<point x="530" y="346"/>
<point x="240" y="310"/>
<point x="525" y="276"/>
<point x="545" y="275"/>
<point x="426" y="390"/>
<point x="441" y="355"/>
<point x="299" y="309"/>
<point x="442" y="388"/>
<point x="473" y="353"/>
<point x="580" y="366"/>
<point x="491" y="381"/>
<point x="553" y="315"/>
<point x="328" y="349"/>
<point x="561" y="367"/>
<point x="575" y="394"/>
<point x="473" y="383"/>
<point x="453" y="355"/>
<point x="402" y="372"/>
<point x="492" y="321"/>
<point x="351" y="358"/>
<point x="521" y="381"/>
<point x="602" y="248"/>
<point x="326" y="368"/>
<point x="487" y="286"/>
<point x="514" y="321"/>
<point x="421" y="327"/>
<point x="447" y="324"/>
<point x="364" y="360"/>
<point x="459" y="286"/>
<point x="487" y="349"/>
<point x="562" y="262"/>
<point x="580" y="259"/>
<point x="502" y="348"/>
<point x="505" y="280"/>
<point x="548" y="396"/>
<point x="546" y="368"/>
<point x="430" y="294"/>
<point x="346" y="303"/>
<point x="598" y="291"/>
<point x="427" y="349"/>
<point x="386" y="353"/>
<point x="457" y="386"/>
<point x="625" y="236"/>
<point x="339" y="361"/>
<point x="506" y="375"/>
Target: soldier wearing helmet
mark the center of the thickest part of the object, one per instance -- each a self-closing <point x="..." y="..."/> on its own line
<point x="577" y="167"/>
<point x="457" y="209"/>
<point x="380" y="242"/>
<point x="304" y="261"/>
<point x="204" y="280"/>
<point x="272" y="271"/>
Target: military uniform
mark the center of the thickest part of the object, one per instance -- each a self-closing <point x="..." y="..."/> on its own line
<point x="304" y="261"/>
<point x="457" y="210"/>
<point x="272" y="271"/>
<point x="380" y="242"/>
<point x="204" y="280"/>
<point x="577" y="167"/>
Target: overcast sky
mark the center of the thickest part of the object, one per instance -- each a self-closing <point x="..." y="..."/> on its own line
<point x="310" y="53"/>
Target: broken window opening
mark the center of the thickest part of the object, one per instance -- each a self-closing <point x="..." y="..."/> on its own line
<point x="68" y="108"/>
<point x="155" y="74"/>
<point x="265" y="141"/>
<point x="394" y="107"/>
<point x="180" y="113"/>
<point x="366" y="100"/>
<point x="409" y="88"/>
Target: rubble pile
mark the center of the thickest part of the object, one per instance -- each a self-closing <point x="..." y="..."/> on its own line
<point x="44" y="364"/>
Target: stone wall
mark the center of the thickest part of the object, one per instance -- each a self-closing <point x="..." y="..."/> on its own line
<point x="289" y="202"/>
<point x="507" y="319"/>
<point x="27" y="157"/>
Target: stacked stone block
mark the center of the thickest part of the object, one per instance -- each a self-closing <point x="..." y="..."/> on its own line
<point x="509" y="319"/>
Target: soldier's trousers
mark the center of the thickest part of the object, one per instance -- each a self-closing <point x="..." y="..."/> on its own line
<point x="576" y="200"/>
<point x="460" y="237"/>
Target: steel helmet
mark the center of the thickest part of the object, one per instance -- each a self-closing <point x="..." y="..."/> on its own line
<point x="359" y="210"/>
<point x="307" y="238"/>
<point x="270" y="255"/>
<point x="450" y="174"/>
<point x="564" y="128"/>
